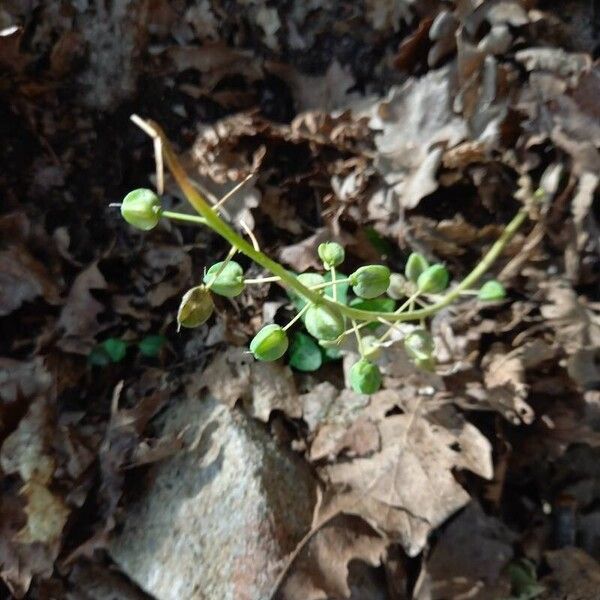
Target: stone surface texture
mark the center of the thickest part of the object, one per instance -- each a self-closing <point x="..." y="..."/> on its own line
<point x="216" y="521"/>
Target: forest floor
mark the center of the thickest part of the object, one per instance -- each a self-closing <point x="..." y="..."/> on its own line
<point x="392" y="127"/>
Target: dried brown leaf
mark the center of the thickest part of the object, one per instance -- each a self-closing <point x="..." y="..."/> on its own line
<point x="468" y="559"/>
<point x="321" y="570"/>
<point x="46" y="516"/>
<point x="22" y="279"/>
<point x="415" y="120"/>
<point x="263" y="387"/>
<point x="27" y="451"/>
<point x="575" y="325"/>
<point x="575" y="574"/>
<point x="407" y="488"/>
<point x="79" y="317"/>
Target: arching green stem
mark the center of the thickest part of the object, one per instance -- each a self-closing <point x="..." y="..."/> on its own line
<point x="288" y="280"/>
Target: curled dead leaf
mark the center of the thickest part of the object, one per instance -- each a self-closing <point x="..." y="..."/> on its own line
<point x="407" y="488"/>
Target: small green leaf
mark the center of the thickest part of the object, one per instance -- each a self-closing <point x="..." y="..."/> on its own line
<point x="305" y="354"/>
<point x="331" y="353"/>
<point x="115" y="348"/>
<point x="151" y="345"/>
<point x="374" y="304"/>
<point x="381" y="244"/>
<point x="308" y="279"/>
<point x="98" y="357"/>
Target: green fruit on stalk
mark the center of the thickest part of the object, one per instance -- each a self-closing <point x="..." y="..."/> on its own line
<point x="399" y="287"/>
<point x="141" y="208"/>
<point x="420" y="347"/>
<point x="491" y="291"/>
<point x="324" y="322"/>
<point x="229" y="282"/>
<point x="371" y="348"/>
<point x="370" y="281"/>
<point x="311" y="279"/>
<point x="433" y="280"/>
<point x="415" y="265"/>
<point x="331" y="253"/>
<point x="365" y="377"/>
<point x="308" y="280"/>
<point x="195" y="308"/>
<point x="270" y="343"/>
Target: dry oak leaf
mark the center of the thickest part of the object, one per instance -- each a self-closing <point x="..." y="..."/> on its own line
<point x="79" y="317"/>
<point x="26" y="379"/>
<point x="574" y="575"/>
<point x="407" y="488"/>
<point x="468" y="559"/>
<point x="321" y="570"/>
<point x="27" y="450"/>
<point x="415" y="121"/>
<point x="575" y="325"/>
<point x="234" y="375"/>
<point x="505" y="377"/>
<point x="22" y="279"/>
<point x="46" y="516"/>
<point x="19" y="563"/>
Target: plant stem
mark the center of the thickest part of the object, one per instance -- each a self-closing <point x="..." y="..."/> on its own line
<point x="288" y="280"/>
<point x="331" y="283"/>
<point x="334" y="283"/>
<point x="182" y="217"/>
<point x="263" y="280"/>
<point x="298" y="316"/>
<point x="228" y="258"/>
<point x="361" y="350"/>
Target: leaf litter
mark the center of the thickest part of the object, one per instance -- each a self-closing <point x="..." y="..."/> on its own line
<point x="420" y="123"/>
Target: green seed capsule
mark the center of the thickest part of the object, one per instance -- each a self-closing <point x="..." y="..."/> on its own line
<point x="415" y="265"/>
<point x="491" y="291"/>
<point x="420" y="347"/>
<point x="419" y="343"/>
<point x="270" y="343"/>
<point x="365" y="377"/>
<point x="399" y="288"/>
<point x="433" y="280"/>
<point x="141" y="209"/>
<point x="370" y="281"/>
<point x="195" y="308"/>
<point x="371" y="347"/>
<point x="331" y="253"/>
<point x="311" y="279"/>
<point x="229" y="282"/>
<point x="324" y="322"/>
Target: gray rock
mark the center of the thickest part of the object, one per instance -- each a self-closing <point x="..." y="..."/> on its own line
<point x="216" y="522"/>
